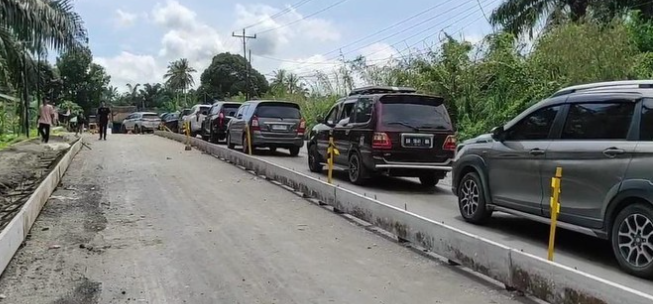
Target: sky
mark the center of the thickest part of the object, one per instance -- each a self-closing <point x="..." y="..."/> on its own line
<point x="135" y="40"/>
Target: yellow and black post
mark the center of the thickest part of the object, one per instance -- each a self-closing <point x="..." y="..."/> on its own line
<point x="248" y="133"/>
<point x="332" y="152"/>
<point x="555" y="209"/>
<point x="187" y="129"/>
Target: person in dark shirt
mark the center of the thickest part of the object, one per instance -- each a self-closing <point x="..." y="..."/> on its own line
<point x="103" y="118"/>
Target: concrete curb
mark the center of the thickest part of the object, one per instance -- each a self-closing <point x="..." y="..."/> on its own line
<point x="545" y="280"/>
<point x="15" y="232"/>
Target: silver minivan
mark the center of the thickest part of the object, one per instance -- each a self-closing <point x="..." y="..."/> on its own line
<point x="273" y="124"/>
<point x="601" y="135"/>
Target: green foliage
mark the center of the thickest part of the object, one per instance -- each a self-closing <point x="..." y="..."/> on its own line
<point x="227" y="76"/>
<point x="83" y="81"/>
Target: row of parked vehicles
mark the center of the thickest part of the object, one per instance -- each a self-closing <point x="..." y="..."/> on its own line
<point x="601" y="134"/>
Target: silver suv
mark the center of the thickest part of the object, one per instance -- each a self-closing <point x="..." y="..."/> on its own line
<point x="601" y="135"/>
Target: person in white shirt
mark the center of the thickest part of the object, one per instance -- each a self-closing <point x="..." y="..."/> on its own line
<point x="46" y="117"/>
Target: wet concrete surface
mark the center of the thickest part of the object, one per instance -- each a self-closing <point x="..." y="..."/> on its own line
<point x="139" y="220"/>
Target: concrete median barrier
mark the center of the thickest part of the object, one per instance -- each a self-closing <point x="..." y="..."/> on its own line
<point x="545" y="280"/>
<point x="15" y="232"/>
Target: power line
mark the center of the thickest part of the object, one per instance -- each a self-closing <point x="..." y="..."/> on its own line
<point x="328" y="60"/>
<point x="245" y="37"/>
<point x="280" y="13"/>
<point x="303" y="18"/>
<point x="423" y="40"/>
<point x="387" y="28"/>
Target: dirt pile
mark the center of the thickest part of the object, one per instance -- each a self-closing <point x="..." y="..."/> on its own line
<point x="22" y="167"/>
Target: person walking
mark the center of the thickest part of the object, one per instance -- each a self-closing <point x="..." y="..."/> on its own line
<point x="45" y="119"/>
<point x="103" y="117"/>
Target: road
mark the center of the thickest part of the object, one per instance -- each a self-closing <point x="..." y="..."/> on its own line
<point x="138" y="220"/>
<point x="576" y="250"/>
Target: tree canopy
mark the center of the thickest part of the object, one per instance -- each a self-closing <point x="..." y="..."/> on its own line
<point x="227" y="76"/>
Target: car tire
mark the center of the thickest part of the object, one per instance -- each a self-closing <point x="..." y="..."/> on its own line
<point x="204" y="137"/>
<point x="230" y="144"/>
<point x="294" y="151"/>
<point x="212" y="138"/>
<point x="633" y="226"/>
<point x="357" y="172"/>
<point x="314" y="163"/>
<point x="471" y="199"/>
<point x="273" y="149"/>
<point x="137" y="130"/>
<point x="123" y="130"/>
<point x="429" y="180"/>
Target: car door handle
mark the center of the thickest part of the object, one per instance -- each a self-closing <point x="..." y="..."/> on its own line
<point x="536" y="151"/>
<point x="613" y="151"/>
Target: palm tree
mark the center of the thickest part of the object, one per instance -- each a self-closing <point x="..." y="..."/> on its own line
<point x="522" y="16"/>
<point x="133" y="93"/>
<point x="288" y="83"/>
<point x="111" y="94"/>
<point x="150" y="93"/>
<point x="179" y="76"/>
<point x="27" y="29"/>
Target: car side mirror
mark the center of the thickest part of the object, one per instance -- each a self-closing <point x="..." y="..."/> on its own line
<point x="498" y="133"/>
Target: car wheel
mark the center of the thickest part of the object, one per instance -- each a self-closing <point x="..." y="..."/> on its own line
<point x="230" y="145"/>
<point x="123" y="130"/>
<point x="357" y="171"/>
<point x="212" y="138"/>
<point x="137" y="129"/>
<point x="471" y="199"/>
<point x="314" y="159"/>
<point x="429" y="180"/>
<point x="294" y="151"/>
<point x="204" y="137"/>
<point x="632" y="240"/>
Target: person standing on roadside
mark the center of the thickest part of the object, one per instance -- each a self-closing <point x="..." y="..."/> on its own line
<point x="45" y="119"/>
<point x="103" y="117"/>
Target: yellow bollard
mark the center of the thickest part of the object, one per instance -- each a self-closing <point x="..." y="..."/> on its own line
<point x="332" y="151"/>
<point x="555" y="209"/>
<point x="249" y="139"/>
<point x="187" y="127"/>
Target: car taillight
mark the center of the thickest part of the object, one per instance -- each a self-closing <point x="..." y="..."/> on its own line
<point x="381" y="141"/>
<point x="255" y="126"/>
<point x="449" y="143"/>
<point x="302" y="127"/>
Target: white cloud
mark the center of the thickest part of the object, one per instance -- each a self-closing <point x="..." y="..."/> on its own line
<point x="187" y="36"/>
<point x="131" y="68"/>
<point x="125" y="19"/>
<point x="287" y="28"/>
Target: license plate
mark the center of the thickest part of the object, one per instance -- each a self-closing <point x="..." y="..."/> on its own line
<point x="421" y="142"/>
<point x="279" y="127"/>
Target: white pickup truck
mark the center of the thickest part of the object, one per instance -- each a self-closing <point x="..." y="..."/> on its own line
<point x="195" y="118"/>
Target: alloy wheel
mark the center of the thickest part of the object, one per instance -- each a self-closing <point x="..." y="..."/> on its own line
<point x="635" y="240"/>
<point x="470" y="197"/>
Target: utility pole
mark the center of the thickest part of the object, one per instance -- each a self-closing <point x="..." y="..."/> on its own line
<point x="249" y="71"/>
<point x="245" y="37"/>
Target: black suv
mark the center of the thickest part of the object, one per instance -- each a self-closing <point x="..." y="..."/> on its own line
<point x="386" y="130"/>
<point x="214" y="126"/>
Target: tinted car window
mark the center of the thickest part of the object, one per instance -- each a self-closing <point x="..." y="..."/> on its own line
<point x="646" y="124"/>
<point x="347" y="110"/>
<point x="331" y="118"/>
<point x="288" y="111"/>
<point x="598" y="121"/>
<point x="363" y="110"/>
<point x="535" y="126"/>
<point x="415" y="111"/>
<point x="230" y="109"/>
<point x="214" y="110"/>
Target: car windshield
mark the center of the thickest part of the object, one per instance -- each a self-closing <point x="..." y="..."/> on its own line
<point x="230" y="109"/>
<point x="416" y="112"/>
<point x="279" y="110"/>
<point x="185" y="112"/>
<point x="151" y="116"/>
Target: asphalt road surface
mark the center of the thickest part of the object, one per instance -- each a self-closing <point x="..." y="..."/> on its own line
<point x="573" y="249"/>
<point x="139" y="220"/>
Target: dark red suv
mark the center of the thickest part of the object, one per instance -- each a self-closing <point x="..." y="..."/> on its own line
<point x="386" y="130"/>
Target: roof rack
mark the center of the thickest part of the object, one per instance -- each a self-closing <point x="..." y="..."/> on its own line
<point x="621" y="84"/>
<point x="380" y="90"/>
